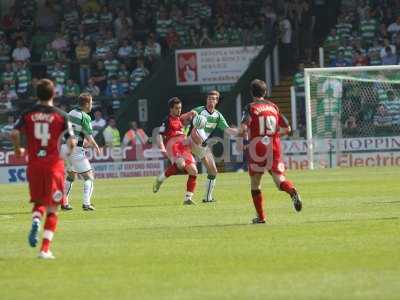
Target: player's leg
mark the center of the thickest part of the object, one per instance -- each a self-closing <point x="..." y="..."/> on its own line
<point x="50" y="226"/>
<point x="191" y="170"/>
<point x="88" y="185"/>
<point x="258" y="200"/>
<point x="38" y="211"/>
<point x="171" y="170"/>
<point x="283" y="184"/>
<point x="71" y="176"/>
<point x="209" y="162"/>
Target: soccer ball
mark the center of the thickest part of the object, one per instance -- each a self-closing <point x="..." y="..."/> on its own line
<point x="199" y="121"/>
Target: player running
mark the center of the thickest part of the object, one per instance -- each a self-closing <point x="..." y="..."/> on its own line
<point x="44" y="125"/>
<point x="200" y="137"/>
<point x="173" y="143"/>
<point x="77" y="162"/>
<point x="262" y="122"/>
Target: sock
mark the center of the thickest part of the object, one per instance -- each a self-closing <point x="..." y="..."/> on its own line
<point x="258" y="201"/>
<point x="191" y="184"/>
<point x="171" y="170"/>
<point x="87" y="191"/>
<point x="49" y="229"/>
<point x="287" y="186"/>
<point x="67" y="190"/>
<point x="210" y="184"/>
<point x="37" y="212"/>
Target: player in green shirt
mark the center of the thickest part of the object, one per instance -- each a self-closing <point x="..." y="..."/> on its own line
<point x="200" y="137"/>
<point x="77" y="162"/>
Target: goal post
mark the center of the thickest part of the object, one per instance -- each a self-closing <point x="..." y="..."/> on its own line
<point x="346" y="102"/>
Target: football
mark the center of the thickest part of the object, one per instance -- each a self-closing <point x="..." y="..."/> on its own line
<point x="199" y="121"/>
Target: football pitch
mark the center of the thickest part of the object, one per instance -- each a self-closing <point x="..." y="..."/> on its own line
<point x="345" y="244"/>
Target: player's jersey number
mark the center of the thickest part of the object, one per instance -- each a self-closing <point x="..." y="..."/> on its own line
<point x="42" y="133"/>
<point x="267" y="125"/>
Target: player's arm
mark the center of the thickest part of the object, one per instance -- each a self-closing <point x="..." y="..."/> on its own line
<point x="88" y="132"/>
<point x="284" y="126"/>
<point x="15" y="136"/>
<point x="160" y="137"/>
<point x="69" y="135"/>
<point x="186" y="118"/>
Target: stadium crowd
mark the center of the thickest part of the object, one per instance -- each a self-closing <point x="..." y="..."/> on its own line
<point x="366" y="34"/>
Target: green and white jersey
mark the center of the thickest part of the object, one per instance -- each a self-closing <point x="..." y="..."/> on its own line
<point x="215" y="120"/>
<point x="81" y="124"/>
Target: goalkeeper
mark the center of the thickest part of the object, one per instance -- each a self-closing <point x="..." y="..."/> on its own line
<point x="199" y="138"/>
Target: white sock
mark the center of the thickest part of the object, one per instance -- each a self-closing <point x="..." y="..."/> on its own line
<point x="210" y="184"/>
<point x="67" y="188"/>
<point x="87" y="191"/>
<point x="161" y="177"/>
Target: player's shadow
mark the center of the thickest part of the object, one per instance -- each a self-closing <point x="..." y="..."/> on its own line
<point x="352" y="220"/>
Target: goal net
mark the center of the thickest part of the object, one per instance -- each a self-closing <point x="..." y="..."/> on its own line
<point x="346" y="103"/>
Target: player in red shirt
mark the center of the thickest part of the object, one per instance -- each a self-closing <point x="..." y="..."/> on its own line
<point x="44" y="126"/>
<point x="174" y="144"/>
<point x="262" y="123"/>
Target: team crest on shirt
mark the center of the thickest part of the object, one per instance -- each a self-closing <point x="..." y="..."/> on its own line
<point x="281" y="167"/>
<point x="57" y="196"/>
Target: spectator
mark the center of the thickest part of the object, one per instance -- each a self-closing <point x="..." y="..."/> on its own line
<point x="111" y="65"/>
<point x="8" y="76"/>
<point x="163" y="23"/>
<point x="123" y="78"/>
<point x="110" y="41"/>
<point x="60" y="77"/>
<point x="98" y="124"/>
<point x="152" y="51"/>
<point x="285" y="31"/>
<point x="359" y="59"/>
<point x="118" y="23"/>
<point x="60" y="43"/>
<point x="386" y="43"/>
<point x="390" y="58"/>
<point x="111" y="134"/>
<point x="139" y="49"/>
<point x="331" y="43"/>
<point x="298" y="79"/>
<point x="138" y="74"/>
<point x="92" y="88"/>
<point x="48" y="56"/>
<point x="82" y="53"/>
<point x="392" y="106"/>
<point x="101" y="50"/>
<point x="21" y="53"/>
<point x="135" y="135"/>
<point x="382" y="118"/>
<point x="194" y="38"/>
<point x="172" y="38"/>
<point x="5" y="131"/>
<point x="99" y="75"/>
<point x="221" y="37"/>
<point x="5" y="49"/>
<point x="71" y="89"/>
<point x="7" y="96"/>
<point x="105" y="16"/>
<point x="125" y="52"/>
<point x="23" y="75"/>
<point x="340" y="61"/>
<point x="368" y="28"/>
<point x="115" y="91"/>
<point x="394" y="28"/>
<point x="374" y="54"/>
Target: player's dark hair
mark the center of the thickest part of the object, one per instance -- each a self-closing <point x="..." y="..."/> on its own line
<point x="258" y="88"/>
<point x="45" y="90"/>
<point x="84" y="99"/>
<point x="173" y="101"/>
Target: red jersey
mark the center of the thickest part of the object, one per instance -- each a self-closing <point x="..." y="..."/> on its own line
<point x="264" y="122"/>
<point x="171" y="127"/>
<point x="263" y="119"/>
<point x="44" y="126"/>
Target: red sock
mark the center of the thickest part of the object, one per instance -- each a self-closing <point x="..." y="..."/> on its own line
<point x="49" y="229"/>
<point x="171" y="170"/>
<point x="258" y="201"/>
<point x="191" y="184"/>
<point x="287" y="186"/>
<point x="38" y="211"/>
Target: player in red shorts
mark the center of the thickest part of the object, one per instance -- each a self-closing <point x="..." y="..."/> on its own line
<point x="174" y="144"/>
<point x="44" y="126"/>
<point x="262" y="123"/>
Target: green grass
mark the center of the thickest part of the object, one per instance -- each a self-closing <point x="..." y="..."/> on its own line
<point x="137" y="245"/>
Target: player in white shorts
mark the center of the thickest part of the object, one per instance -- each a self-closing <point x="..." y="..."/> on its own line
<point x="199" y="138"/>
<point x="77" y="162"/>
